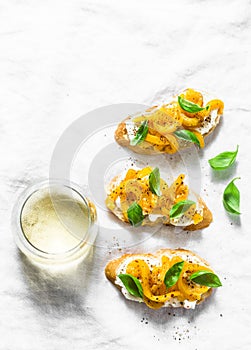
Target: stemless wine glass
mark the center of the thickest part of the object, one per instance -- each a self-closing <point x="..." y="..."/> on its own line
<point x="54" y="222"/>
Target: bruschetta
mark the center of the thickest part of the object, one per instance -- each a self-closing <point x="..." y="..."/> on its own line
<point x="187" y="119"/>
<point x="142" y="197"/>
<point x="168" y="278"/>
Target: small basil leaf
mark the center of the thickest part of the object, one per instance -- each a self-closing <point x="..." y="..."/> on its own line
<point x="190" y="106"/>
<point x="206" y="278"/>
<point x="180" y="208"/>
<point x="132" y="284"/>
<point x="231" y="198"/>
<point x="187" y="135"/>
<point x="223" y="160"/>
<point x="154" y="181"/>
<point x="141" y="134"/>
<point x="135" y="214"/>
<point x="173" y="274"/>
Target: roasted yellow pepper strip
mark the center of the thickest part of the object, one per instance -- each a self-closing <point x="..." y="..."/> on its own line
<point x="157" y="276"/>
<point x="200" y="138"/>
<point x="189" y="121"/>
<point x="131" y="174"/>
<point x="192" y="291"/>
<point x="144" y="172"/>
<point x="173" y="145"/>
<point x="167" y="142"/>
<point x="154" y="289"/>
<point x="181" y="190"/>
<point x="170" y="195"/>
<point x="136" y="189"/>
<point x="173" y="111"/>
<point x="197" y="98"/>
<point x="194" y="96"/>
<point x="141" y="270"/>
<point x="114" y="194"/>
<point x="197" y="218"/>
<point x="212" y="105"/>
<point x="162" y="120"/>
<point x="216" y="104"/>
<point x="156" y="140"/>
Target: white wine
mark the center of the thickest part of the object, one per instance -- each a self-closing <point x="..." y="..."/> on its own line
<point x="55" y="220"/>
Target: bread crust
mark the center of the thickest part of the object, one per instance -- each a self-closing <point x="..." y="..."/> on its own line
<point x="113" y="265"/>
<point x="121" y="135"/>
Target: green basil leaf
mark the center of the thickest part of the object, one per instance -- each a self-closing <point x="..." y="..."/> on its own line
<point x="206" y="278"/>
<point x="180" y="208"/>
<point x="173" y="274"/>
<point x="189" y="106"/>
<point x="187" y="135"/>
<point x="132" y="284"/>
<point x="223" y="160"/>
<point x="135" y="214"/>
<point x="231" y="198"/>
<point x="154" y="181"/>
<point x="141" y="134"/>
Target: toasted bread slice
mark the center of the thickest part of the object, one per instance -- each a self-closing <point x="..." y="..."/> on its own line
<point x="127" y="128"/>
<point x="162" y="218"/>
<point x="174" y="297"/>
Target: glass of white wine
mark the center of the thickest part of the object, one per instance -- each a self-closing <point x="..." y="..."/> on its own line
<point x="54" y="223"/>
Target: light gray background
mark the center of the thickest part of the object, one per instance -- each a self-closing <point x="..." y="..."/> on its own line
<point x="62" y="59"/>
